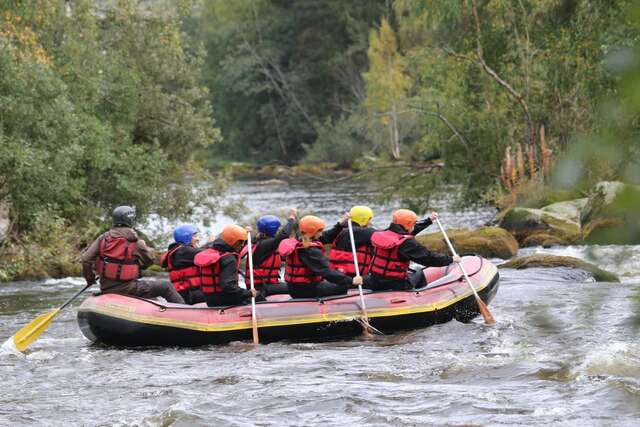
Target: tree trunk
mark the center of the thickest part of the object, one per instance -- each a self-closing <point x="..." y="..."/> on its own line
<point x="395" y="136"/>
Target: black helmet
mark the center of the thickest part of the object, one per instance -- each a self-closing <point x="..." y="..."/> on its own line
<point x="124" y="215"/>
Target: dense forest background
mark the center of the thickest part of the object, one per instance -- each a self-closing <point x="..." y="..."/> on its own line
<point x="124" y="101"/>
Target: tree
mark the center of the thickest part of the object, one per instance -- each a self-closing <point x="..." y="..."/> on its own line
<point x="387" y="82"/>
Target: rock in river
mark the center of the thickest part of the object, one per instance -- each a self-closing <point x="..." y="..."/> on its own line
<point x="547" y="260"/>
<point x="489" y="242"/>
<point x="555" y="224"/>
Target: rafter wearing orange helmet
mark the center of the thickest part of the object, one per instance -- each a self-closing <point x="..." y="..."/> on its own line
<point x="395" y="248"/>
<point x="307" y="271"/>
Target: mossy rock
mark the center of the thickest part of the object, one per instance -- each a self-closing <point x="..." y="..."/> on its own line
<point x="545" y="240"/>
<point x="524" y="222"/>
<point x="550" y="261"/>
<point x="570" y="209"/>
<point x="489" y="242"/>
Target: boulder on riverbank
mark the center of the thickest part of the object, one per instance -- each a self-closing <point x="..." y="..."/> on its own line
<point x="611" y="215"/>
<point x="489" y="242"/>
<point x="547" y="260"/>
<point x="555" y="224"/>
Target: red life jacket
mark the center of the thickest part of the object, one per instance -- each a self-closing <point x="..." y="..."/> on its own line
<point x="209" y="263"/>
<point x="268" y="272"/>
<point x="386" y="262"/>
<point x="115" y="259"/>
<point x="182" y="278"/>
<point x="342" y="260"/>
<point x="295" y="271"/>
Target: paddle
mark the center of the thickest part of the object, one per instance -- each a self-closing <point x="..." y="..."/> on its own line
<point x="254" y="320"/>
<point x="366" y="327"/>
<point x="484" y="310"/>
<point x="29" y="333"/>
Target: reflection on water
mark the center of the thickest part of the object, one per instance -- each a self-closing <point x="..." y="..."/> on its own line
<point x="564" y="352"/>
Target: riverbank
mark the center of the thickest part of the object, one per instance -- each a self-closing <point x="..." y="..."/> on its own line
<point x="51" y="250"/>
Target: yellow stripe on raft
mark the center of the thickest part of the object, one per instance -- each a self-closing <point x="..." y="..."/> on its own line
<point x="122" y="312"/>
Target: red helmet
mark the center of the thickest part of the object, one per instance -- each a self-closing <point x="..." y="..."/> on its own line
<point x="406" y="218"/>
<point x="232" y="234"/>
<point x="310" y="225"/>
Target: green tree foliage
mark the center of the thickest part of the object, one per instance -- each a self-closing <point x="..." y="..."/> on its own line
<point x="99" y="106"/>
<point x="387" y="82"/>
<point x="278" y="70"/>
<point x="488" y="75"/>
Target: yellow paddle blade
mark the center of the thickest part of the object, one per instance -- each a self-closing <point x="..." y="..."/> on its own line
<point x="29" y="333"/>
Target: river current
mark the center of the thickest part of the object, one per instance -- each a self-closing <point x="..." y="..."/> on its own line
<point x="565" y="352"/>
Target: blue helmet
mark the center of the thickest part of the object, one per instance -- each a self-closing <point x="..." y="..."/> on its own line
<point x="269" y="225"/>
<point x="184" y="233"/>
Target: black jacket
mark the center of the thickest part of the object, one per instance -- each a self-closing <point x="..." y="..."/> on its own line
<point x="411" y="250"/>
<point x="362" y="235"/>
<point x="264" y="248"/>
<point x="315" y="260"/>
<point x="183" y="256"/>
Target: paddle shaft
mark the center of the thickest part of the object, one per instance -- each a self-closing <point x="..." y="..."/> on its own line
<point x="254" y="320"/>
<point x="76" y="295"/>
<point x="454" y="253"/>
<point x="355" y="263"/>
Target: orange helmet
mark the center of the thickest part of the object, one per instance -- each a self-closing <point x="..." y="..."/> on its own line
<point x="405" y="218"/>
<point x="232" y="234"/>
<point x="310" y="225"/>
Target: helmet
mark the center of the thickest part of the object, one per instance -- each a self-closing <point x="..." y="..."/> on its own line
<point x="232" y="234"/>
<point x="269" y="225"/>
<point x="184" y="233"/>
<point x="361" y="215"/>
<point x="124" y="215"/>
<point x="310" y="225"/>
<point x="405" y="218"/>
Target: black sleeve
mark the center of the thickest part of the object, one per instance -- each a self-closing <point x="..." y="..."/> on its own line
<point x="229" y="278"/>
<point x="266" y="247"/>
<point x="421" y="225"/>
<point x="184" y="256"/>
<point x="286" y="231"/>
<point x="330" y="235"/>
<point x="417" y="253"/>
<point x="318" y="263"/>
<point x="362" y="236"/>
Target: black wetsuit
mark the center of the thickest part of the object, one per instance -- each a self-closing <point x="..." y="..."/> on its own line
<point x="182" y="258"/>
<point x="334" y="283"/>
<point x="232" y="293"/>
<point x="264" y="248"/>
<point x="410" y="250"/>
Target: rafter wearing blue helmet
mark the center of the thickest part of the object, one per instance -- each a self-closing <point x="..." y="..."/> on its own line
<point x="179" y="260"/>
<point x="269" y="225"/>
<point x="184" y="233"/>
<point x="266" y="260"/>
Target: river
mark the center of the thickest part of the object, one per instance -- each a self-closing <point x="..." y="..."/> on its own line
<point x="565" y="352"/>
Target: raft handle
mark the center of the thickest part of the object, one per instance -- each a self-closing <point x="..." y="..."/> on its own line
<point x="398" y="300"/>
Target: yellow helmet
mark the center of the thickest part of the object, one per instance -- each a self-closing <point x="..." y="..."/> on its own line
<point x="361" y="215"/>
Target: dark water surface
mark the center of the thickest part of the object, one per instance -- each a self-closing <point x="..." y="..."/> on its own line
<point x="565" y="351"/>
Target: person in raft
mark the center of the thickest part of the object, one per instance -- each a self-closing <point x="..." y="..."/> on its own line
<point x="394" y="249"/>
<point x="266" y="259"/>
<point x="307" y="271"/>
<point x="341" y="256"/>
<point x="219" y="269"/>
<point x="118" y="256"/>
<point x="183" y="273"/>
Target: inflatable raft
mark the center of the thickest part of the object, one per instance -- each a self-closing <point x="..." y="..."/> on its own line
<point x="130" y="321"/>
